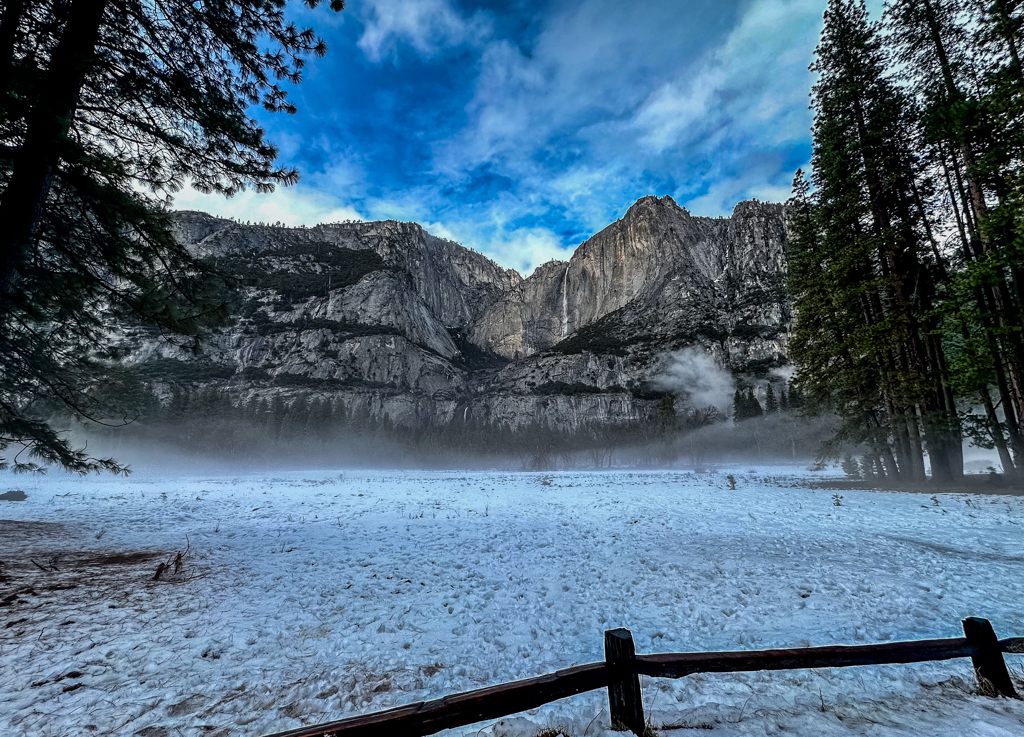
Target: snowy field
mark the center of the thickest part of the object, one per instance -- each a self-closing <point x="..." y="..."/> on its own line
<point x="305" y="597"/>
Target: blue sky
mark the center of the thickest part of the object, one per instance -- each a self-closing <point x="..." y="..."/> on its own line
<point x="521" y="128"/>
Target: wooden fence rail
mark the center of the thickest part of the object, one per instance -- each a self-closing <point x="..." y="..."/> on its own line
<point x="620" y="674"/>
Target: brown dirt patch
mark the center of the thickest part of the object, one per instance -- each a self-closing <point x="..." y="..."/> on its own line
<point x="971" y="484"/>
<point x="121" y="558"/>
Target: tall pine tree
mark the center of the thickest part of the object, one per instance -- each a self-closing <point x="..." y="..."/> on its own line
<point x="107" y="107"/>
<point x="863" y="238"/>
<point x="961" y="62"/>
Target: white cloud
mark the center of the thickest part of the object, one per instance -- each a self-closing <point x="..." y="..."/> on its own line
<point x="426" y="25"/>
<point x="763" y="183"/>
<point x="695" y="374"/>
<point x="524" y="249"/>
<point x="755" y="81"/>
<point x="581" y="67"/>
<point x="674" y="109"/>
<point x="579" y="122"/>
<point x="488" y="227"/>
<point x="584" y="125"/>
<point x="579" y="182"/>
<point x="298" y="205"/>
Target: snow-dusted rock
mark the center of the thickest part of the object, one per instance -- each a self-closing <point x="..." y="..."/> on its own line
<point x="392" y="317"/>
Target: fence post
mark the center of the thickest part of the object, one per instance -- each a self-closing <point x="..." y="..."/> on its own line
<point x="989" y="666"/>
<point x="624" y="701"/>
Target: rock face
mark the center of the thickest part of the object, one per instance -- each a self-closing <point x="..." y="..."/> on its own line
<point x="668" y="274"/>
<point x="400" y="325"/>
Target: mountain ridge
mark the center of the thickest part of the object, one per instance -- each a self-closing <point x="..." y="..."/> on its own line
<point x="400" y="326"/>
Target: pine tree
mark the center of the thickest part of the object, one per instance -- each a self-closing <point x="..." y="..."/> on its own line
<point x="277" y="412"/>
<point x="826" y="320"/>
<point x="318" y="420"/>
<point x="745" y="405"/>
<point x="961" y="60"/>
<point x="667" y="418"/>
<point x="107" y="107"/>
<point x="297" y="418"/>
<point x="862" y="276"/>
<point x="753" y="407"/>
<point x="771" y="404"/>
<point x="795" y="397"/>
<point x="738" y="406"/>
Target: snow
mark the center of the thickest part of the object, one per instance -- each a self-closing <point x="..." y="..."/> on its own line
<point x="307" y="597"/>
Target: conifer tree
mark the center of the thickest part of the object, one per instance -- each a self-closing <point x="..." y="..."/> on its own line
<point x="961" y="60"/>
<point x="107" y="107"/>
<point x="277" y="417"/>
<point x="738" y="408"/>
<point x="862" y="275"/>
<point x="795" y="397"/>
<point x="753" y="407"/>
<point x="745" y="405"/>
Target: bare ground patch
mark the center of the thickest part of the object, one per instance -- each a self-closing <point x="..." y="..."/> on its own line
<point x="70" y="598"/>
<point x="969" y="484"/>
<point x="44" y="579"/>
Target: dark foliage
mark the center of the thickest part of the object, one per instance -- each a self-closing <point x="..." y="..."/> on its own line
<point x="174" y="370"/>
<point x="745" y="405"/>
<point x="573" y="389"/>
<point x="905" y="261"/>
<point x="471" y="356"/>
<point x="600" y="336"/>
<point x="646" y="390"/>
<point x="106" y="108"/>
<point x="342" y="329"/>
<point x="300" y="279"/>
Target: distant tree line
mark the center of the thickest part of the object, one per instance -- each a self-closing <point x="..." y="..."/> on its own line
<point x="745" y="404"/>
<point x="306" y="424"/>
<point x="338" y="427"/>
<point x="905" y="246"/>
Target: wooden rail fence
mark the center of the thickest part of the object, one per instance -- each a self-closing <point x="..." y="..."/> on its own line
<point x="621" y="670"/>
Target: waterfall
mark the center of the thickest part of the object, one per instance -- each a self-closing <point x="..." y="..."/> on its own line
<point x="565" y="302"/>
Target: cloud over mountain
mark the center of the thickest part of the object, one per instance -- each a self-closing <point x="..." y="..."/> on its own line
<point x="520" y="128"/>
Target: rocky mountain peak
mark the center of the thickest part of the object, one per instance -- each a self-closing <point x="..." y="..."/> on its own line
<point x="631" y="261"/>
<point x="414" y="330"/>
<point x="757" y="208"/>
<point x="654" y="206"/>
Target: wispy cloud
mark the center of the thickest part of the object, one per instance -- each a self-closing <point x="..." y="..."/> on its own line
<point x="522" y="249"/>
<point x="743" y="108"/>
<point x="521" y="131"/>
<point x="426" y="25"/>
<point x="297" y="205"/>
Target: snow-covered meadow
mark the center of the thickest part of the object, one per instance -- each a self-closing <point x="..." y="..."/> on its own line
<point x="306" y="597"/>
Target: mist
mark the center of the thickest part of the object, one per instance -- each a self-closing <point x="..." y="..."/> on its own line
<point x="217" y="443"/>
<point x="693" y="374"/>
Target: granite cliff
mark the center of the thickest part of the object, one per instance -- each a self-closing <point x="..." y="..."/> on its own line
<point x="392" y="323"/>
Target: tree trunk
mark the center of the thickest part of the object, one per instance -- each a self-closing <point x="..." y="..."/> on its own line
<point x="1006" y="359"/>
<point x="1005" y="24"/>
<point x="1009" y="411"/>
<point x="945" y="424"/>
<point x="10" y="19"/>
<point x="1008" y="313"/>
<point x="35" y="162"/>
<point x="882" y="452"/>
<point x="915" y="456"/>
<point x="996" y="431"/>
